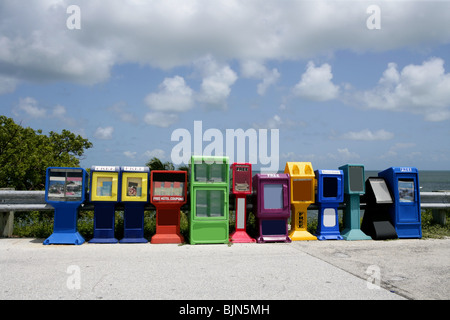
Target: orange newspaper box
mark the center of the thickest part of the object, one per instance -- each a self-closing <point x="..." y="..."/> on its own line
<point x="302" y="195"/>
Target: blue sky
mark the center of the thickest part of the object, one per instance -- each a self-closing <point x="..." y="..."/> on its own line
<point x="339" y="80"/>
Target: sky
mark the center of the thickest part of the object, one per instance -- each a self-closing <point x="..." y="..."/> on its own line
<point x="326" y="82"/>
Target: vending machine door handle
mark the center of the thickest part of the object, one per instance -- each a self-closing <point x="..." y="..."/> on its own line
<point x="285" y="197"/>
<point x="339" y="187"/>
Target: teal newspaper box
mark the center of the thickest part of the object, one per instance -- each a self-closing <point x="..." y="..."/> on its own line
<point x="354" y="187"/>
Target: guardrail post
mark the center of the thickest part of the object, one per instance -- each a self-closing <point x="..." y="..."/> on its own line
<point x="6" y="224"/>
<point x="440" y="216"/>
<point x="6" y="221"/>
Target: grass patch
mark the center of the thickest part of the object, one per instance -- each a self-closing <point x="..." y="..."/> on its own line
<point x="431" y="229"/>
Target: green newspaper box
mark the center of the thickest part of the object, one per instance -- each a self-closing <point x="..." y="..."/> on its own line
<point x="209" y="192"/>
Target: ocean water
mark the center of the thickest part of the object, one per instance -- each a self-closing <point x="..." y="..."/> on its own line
<point x="429" y="180"/>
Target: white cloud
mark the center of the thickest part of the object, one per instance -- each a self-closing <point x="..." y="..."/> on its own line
<point x="59" y="111"/>
<point x="400" y="146"/>
<point x="367" y="135"/>
<point x="104" y="133"/>
<point x="125" y="115"/>
<point x="316" y="83"/>
<point x="160" y="119"/>
<point x="346" y="154"/>
<point x="173" y="95"/>
<point x="130" y="154"/>
<point x="343" y="154"/>
<point x="7" y="84"/>
<point x="30" y="107"/>
<point x="217" y="82"/>
<point x="158" y="153"/>
<point x="420" y="89"/>
<point x="256" y="70"/>
<point x="272" y="123"/>
<point x="35" y="44"/>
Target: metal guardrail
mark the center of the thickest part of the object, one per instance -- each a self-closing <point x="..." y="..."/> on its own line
<point x="35" y="201"/>
<point x="12" y="201"/>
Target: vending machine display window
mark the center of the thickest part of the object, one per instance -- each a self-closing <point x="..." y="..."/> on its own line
<point x="104" y="184"/>
<point x="242" y="178"/>
<point x="380" y="191"/>
<point x="355" y="179"/>
<point x="273" y="197"/>
<point x="209" y="172"/>
<point x="135" y="186"/>
<point x="65" y="185"/>
<point x="209" y="203"/>
<point x="406" y="190"/>
<point x="330" y="187"/>
<point x="302" y="190"/>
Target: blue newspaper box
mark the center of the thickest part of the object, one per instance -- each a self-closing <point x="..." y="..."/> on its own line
<point x="354" y="187"/>
<point x="405" y="211"/>
<point x="330" y="192"/>
<point x="104" y="194"/>
<point x="65" y="190"/>
<point x="134" y="196"/>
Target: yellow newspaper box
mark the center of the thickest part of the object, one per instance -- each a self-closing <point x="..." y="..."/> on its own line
<point x="134" y="185"/>
<point x="104" y="184"/>
<point x="303" y="182"/>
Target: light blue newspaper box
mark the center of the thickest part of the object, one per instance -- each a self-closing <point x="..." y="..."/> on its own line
<point x="330" y="192"/>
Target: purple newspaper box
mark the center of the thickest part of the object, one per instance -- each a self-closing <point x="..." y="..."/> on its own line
<point x="272" y="207"/>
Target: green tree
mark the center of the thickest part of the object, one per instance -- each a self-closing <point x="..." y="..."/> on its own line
<point x="25" y="154"/>
<point x="183" y="168"/>
<point x="156" y="164"/>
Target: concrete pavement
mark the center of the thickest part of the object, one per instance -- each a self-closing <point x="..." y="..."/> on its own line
<point x="414" y="269"/>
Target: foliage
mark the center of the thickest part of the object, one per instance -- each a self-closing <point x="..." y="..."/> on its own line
<point x="156" y="164"/>
<point x="432" y="229"/>
<point x="25" y="154"/>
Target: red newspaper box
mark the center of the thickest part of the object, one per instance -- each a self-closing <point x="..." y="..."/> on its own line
<point x="241" y="187"/>
<point x="168" y="192"/>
